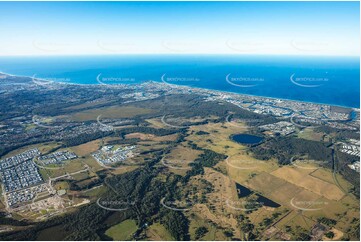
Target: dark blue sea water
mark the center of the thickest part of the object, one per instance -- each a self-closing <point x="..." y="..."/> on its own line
<point x="331" y="80"/>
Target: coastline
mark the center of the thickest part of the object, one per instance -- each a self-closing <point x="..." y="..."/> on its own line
<point x="185" y="86"/>
<point x="275" y="98"/>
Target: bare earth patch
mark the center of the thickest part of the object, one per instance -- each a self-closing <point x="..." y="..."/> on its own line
<point x="315" y="185"/>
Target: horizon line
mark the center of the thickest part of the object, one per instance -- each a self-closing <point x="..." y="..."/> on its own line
<point x="181" y="54"/>
<point x="202" y="88"/>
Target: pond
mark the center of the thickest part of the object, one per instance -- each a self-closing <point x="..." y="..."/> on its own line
<point x="267" y="202"/>
<point x="242" y="191"/>
<point x="246" y="139"/>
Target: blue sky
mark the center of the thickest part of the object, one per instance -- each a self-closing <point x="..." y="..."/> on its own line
<point x="282" y="28"/>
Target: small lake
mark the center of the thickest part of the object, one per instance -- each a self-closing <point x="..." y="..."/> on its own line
<point x="267" y="202"/>
<point x="246" y="139"/>
<point x="242" y="191"/>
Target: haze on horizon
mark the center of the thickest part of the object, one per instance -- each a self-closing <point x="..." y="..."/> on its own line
<point x="98" y="28"/>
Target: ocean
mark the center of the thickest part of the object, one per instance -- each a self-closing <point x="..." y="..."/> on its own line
<point x="329" y="80"/>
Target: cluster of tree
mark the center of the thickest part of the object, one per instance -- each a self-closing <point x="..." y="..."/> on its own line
<point x="303" y="236"/>
<point x="140" y="187"/>
<point x="200" y="232"/>
<point x="252" y="204"/>
<point x="346" y="158"/>
<point x="176" y="223"/>
<point x="201" y="132"/>
<point x="30" y="141"/>
<point x="284" y="148"/>
<point x="132" y="141"/>
<point x="188" y="106"/>
<point x="350" y="175"/>
<point x="340" y="134"/>
<point x="247" y="228"/>
<point x="251" y="118"/>
<point x="147" y="130"/>
<point x="84" y="138"/>
<point x="4" y="220"/>
<point x="327" y="221"/>
<point x="330" y="234"/>
<point x="80" y="225"/>
<point x="77" y="185"/>
<point x="353" y="233"/>
<point x="84" y="94"/>
<point x="208" y="158"/>
<point x="4" y="150"/>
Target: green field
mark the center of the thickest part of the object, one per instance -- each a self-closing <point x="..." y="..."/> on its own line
<point x="310" y="134"/>
<point x="110" y="112"/>
<point x="157" y="232"/>
<point x="122" y="231"/>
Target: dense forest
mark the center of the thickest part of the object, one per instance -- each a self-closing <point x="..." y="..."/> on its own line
<point x="284" y="148"/>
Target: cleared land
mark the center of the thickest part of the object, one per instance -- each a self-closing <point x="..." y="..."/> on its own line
<point x="110" y="112"/>
<point x="157" y="232"/>
<point x="152" y="137"/>
<point x="180" y="158"/>
<point x="311" y="134"/>
<point x="301" y="177"/>
<point x="122" y="231"/>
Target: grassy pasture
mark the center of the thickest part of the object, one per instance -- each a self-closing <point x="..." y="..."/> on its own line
<point x="180" y="157"/>
<point x="310" y="134"/>
<point x="86" y="105"/>
<point x="157" y="232"/>
<point x="301" y="178"/>
<point x="122" y="231"/>
<point x="115" y="112"/>
<point x="87" y="148"/>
